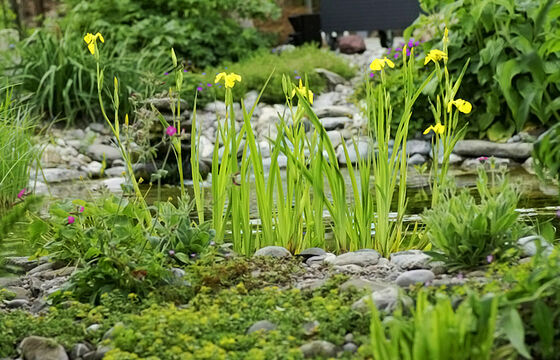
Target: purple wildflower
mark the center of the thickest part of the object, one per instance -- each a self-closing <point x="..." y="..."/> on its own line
<point x="410" y="42"/>
<point x="170" y="130"/>
<point x="199" y="89"/>
<point x="21" y="193"/>
<point x="71" y="220"/>
<point x="298" y="77"/>
<point x="490" y="258"/>
<point x="171" y="252"/>
<point x="166" y="73"/>
<point x="81" y="209"/>
<point x="396" y="56"/>
<point x="209" y="85"/>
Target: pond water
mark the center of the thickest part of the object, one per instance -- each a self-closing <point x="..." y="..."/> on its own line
<point x="538" y="201"/>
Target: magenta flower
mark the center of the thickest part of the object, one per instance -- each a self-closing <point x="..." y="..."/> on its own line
<point x="166" y="73"/>
<point x="490" y="258"/>
<point x="209" y="85"/>
<point x="483" y="158"/>
<point x="371" y="75"/>
<point x="71" y="220"/>
<point x="416" y="43"/>
<point x="81" y="209"/>
<point x="396" y="55"/>
<point x="171" y="130"/>
<point x="410" y="43"/>
<point x="199" y="89"/>
<point x="21" y="193"/>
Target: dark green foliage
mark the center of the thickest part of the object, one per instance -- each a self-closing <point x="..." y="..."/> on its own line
<point x="58" y="74"/>
<point x="546" y="153"/>
<point x="114" y="248"/>
<point x="203" y="32"/>
<point x="464" y="233"/>
<point x="514" y="72"/>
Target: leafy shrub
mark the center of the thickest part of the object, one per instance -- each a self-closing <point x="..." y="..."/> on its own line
<point x="546" y="153"/>
<point x="16" y="148"/>
<point x="257" y="67"/>
<point x="467" y="234"/>
<point x="116" y="248"/>
<point x="514" y="72"/>
<point x="57" y="74"/>
<point x="204" y="32"/>
<point x="437" y="331"/>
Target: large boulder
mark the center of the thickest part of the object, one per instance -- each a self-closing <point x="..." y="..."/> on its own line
<point x="351" y="44"/>
<point x="40" y="348"/>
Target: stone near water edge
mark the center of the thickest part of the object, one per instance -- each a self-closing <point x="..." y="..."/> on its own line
<point x="412" y="277"/>
<point x="263" y="326"/>
<point x="115" y="171"/>
<point x="477" y="148"/>
<point x="318" y="348"/>
<point x="93" y="169"/>
<point x="411" y="259"/>
<point x="336" y="111"/>
<point x="335" y="137"/>
<point x="332" y="78"/>
<point x="421" y="147"/>
<point x="40" y="268"/>
<point x="327" y="99"/>
<point x="360" y="258"/>
<point x="273" y="251"/>
<point x="311" y="252"/>
<point x="56" y="175"/>
<point x="530" y="245"/>
<point x="528" y="166"/>
<point x="364" y="147"/>
<point x="350" y="347"/>
<point x="333" y="123"/>
<point x="96" y="152"/>
<point x="41" y="348"/>
<point x="114" y="184"/>
<point x="351" y="44"/>
<point x="16" y="303"/>
<point x="416" y="159"/>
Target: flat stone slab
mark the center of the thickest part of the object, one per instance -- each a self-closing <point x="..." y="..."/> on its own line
<point x="273" y="251"/>
<point x="411" y="259"/>
<point x="414" y="277"/>
<point x="360" y="258"/>
<point x="476" y="148"/>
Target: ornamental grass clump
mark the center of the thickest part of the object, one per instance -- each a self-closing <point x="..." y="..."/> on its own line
<point x="466" y="233"/>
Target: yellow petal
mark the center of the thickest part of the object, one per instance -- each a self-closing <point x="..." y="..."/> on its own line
<point x="439" y="129"/>
<point x="464" y="106"/>
<point x="427" y="59"/>
<point x="449" y="106"/>
<point x="377" y="65"/>
<point x="310" y="96"/>
<point x="91" y="48"/>
<point x="100" y="37"/>
<point x="428" y="129"/>
<point x="236" y="77"/>
<point x="389" y="62"/>
<point x="219" y="77"/>
<point x="88" y="38"/>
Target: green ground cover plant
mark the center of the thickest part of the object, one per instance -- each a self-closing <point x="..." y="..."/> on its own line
<point x="514" y="64"/>
<point x="467" y="233"/>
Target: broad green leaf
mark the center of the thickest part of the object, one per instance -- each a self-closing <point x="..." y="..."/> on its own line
<point x="513" y="327"/>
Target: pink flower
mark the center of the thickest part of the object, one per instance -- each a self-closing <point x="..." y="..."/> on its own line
<point x="171" y="131"/>
<point x="81" y="209"/>
<point x="490" y="258"/>
<point x="21" y="193"/>
<point x="71" y="220"/>
<point x="483" y="158"/>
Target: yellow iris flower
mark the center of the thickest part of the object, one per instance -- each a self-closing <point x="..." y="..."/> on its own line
<point x="435" y="56"/>
<point x="303" y="91"/>
<point x="463" y="106"/>
<point x="378" y="64"/>
<point x="91" y="39"/>
<point x="229" y="79"/>
<point x="437" y="128"/>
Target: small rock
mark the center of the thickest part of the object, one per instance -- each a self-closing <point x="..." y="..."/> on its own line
<point x="56" y="175"/>
<point x="332" y="123"/>
<point x="115" y="171"/>
<point x="318" y="348"/>
<point x="96" y="152"/>
<point x="17" y="303"/>
<point x="416" y="159"/>
<point x="528" y="166"/>
<point x="40" y="348"/>
<point x="411" y="259"/>
<point x="335" y="111"/>
<point x="263" y="325"/>
<point x="79" y="350"/>
<point x="178" y="272"/>
<point x="94" y="169"/>
<point x="93" y="328"/>
<point x="310" y="327"/>
<point x="97" y="127"/>
<point x="350" y="347"/>
<point x="311" y="252"/>
<point x="40" y="268"/>
<point x="329" y="258"/>
<point x="274" y="251"/>
<point x="364" y="148"/>
<point x="421" y="147"/>
<point x="311" y="284"/>
<point x="20" y="292"/>
<point x="385" y="299"/>
<point x="24" y="262"/>
<point x="414" y="277"/>
<point x="530" y="245"/>
<point x="361" y="284"/>
<point x="37" y="306"/>
<point x="332" y="78"/>
<point x="349" y="337"/>
<point x="360" y="258"/>
<point x="351" y="44"/>
<point x="348" y="269"/>
<point x="476" y="148"/>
